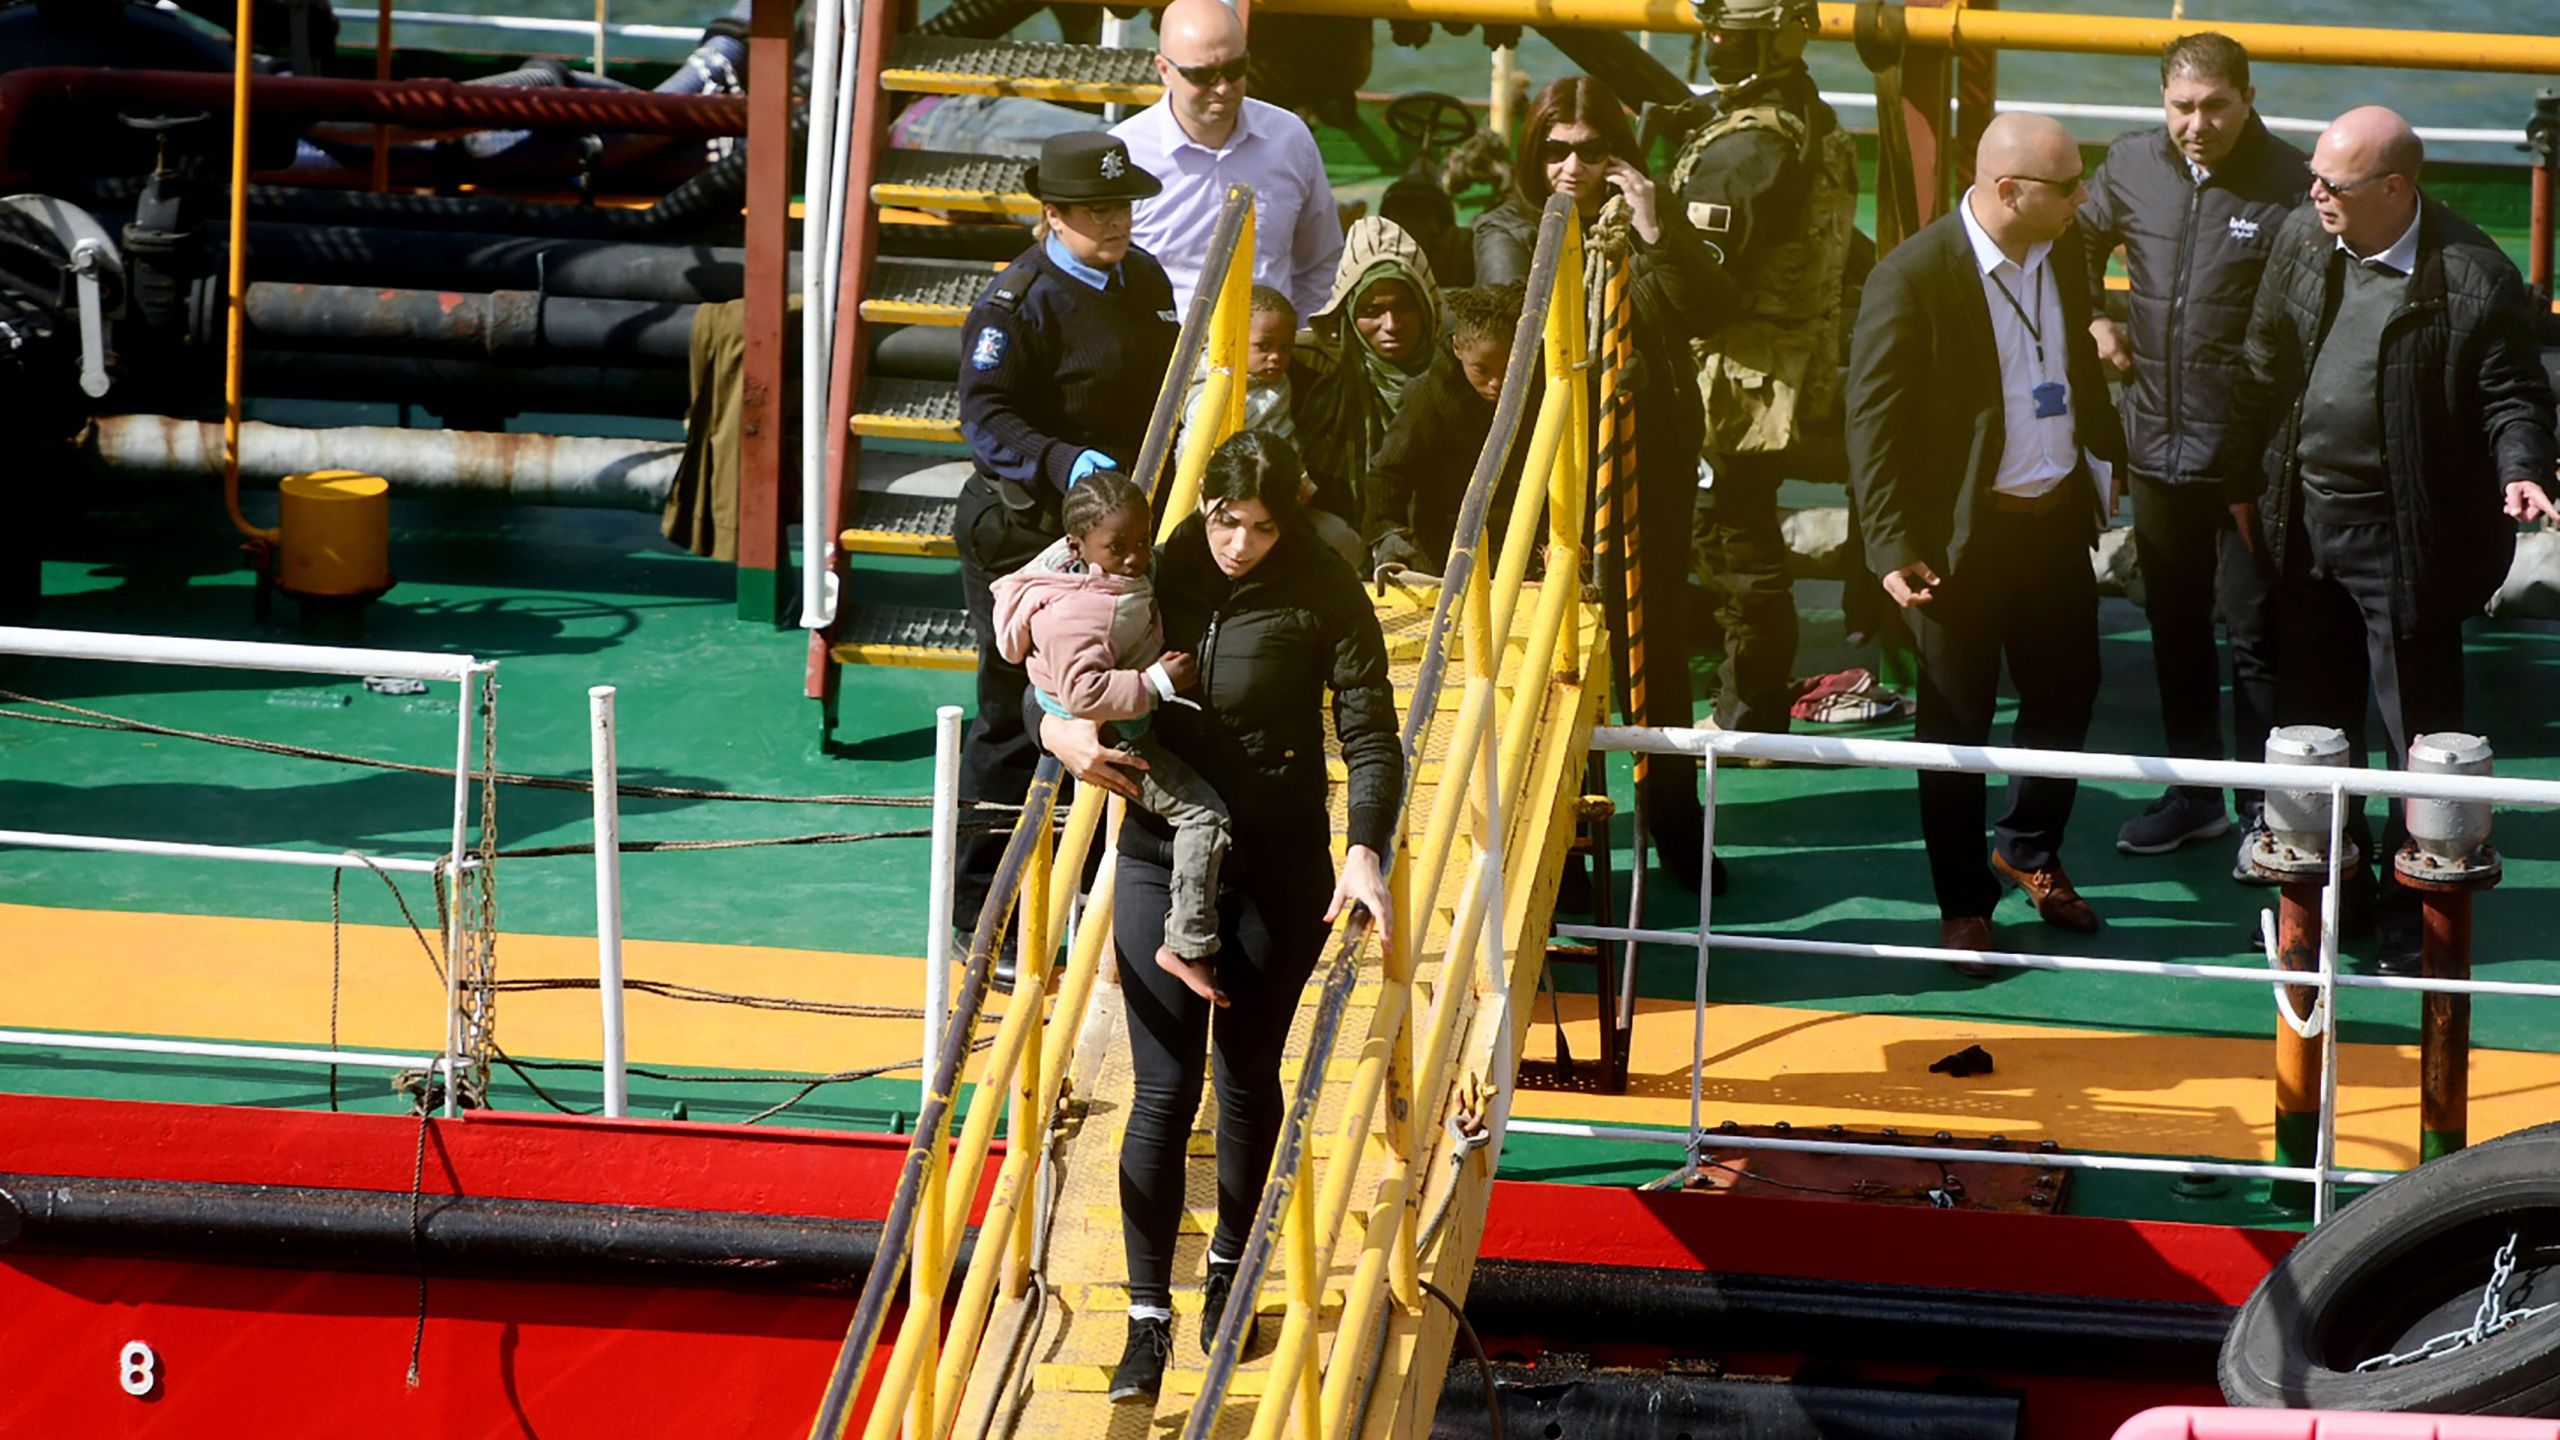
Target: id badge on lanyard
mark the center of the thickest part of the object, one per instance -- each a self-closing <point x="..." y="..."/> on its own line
<point x="2053" y="398"/>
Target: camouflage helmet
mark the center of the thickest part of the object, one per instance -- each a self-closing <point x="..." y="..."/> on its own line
<point x="1803" y="16"/>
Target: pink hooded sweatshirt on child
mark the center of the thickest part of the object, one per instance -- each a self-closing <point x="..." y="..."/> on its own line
<point x="1087" y="636"/>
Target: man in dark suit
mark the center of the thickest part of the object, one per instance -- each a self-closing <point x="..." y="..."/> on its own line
<point x="1975" y="401"/>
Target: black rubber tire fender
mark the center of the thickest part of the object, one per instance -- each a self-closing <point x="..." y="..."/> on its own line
<point x="2429" y="1233"/>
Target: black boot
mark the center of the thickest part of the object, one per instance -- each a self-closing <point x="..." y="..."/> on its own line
<point x="1213" y="1307"/>
<point x="1140" y="1375"/>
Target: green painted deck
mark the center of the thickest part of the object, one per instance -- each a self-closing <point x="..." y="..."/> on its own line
<point x="568" y="599"/>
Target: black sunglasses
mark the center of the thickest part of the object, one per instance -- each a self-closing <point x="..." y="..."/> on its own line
<point x="2336" y="188"/>
<point x="1205" y="76"/>
<point x="1589" y="152"/>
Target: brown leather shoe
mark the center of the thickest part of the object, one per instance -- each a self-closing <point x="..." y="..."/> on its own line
<point x="1968" y="932"/>
<point x="2056" y="901"/>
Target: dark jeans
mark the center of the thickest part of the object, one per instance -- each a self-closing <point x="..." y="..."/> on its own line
<point x="2027" y="594"/>
<point x="1271" y="931"/>
<point x="1742" y="559"/>
<point x="2192" y="556"/>
<point x="2338" y="644"/>
<point x="998" y="755"/>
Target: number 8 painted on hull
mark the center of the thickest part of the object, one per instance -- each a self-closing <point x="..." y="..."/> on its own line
<point x="138" y="1369"/>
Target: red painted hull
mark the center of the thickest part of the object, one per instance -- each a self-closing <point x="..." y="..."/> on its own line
<point x="280" y="1352"/>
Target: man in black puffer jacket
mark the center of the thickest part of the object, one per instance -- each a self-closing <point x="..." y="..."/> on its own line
<point x="2196" y="203"/>
<point x="2407" y="424"/>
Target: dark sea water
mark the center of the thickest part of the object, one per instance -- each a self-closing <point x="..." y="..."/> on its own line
<point x="1458" y="63"/>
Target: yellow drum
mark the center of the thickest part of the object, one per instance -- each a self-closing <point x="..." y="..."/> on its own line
<point x="336" y="528"/>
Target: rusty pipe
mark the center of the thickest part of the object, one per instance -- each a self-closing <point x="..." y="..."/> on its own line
<point x="584" y="471"/>
<point x="47" y="92"/>
<point x="2297" y="1055"/>
<point x="516" y="323"/>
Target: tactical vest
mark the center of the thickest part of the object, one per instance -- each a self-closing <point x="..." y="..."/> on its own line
<point x="1774" y="372"/>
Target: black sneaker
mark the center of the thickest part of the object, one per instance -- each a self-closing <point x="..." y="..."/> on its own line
<point x="2172" y="820"/>
<point x="1213" y="1308"/>
<point x="1140" y="1374"/>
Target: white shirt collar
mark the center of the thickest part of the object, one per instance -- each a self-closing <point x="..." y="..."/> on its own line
<point x="1169" y="126"/>
<point x="2403" y="252"/>
<point x="1986" y="251"/>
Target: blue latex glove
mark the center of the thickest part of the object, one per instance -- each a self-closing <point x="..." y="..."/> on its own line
<point x="1086" y="464"/>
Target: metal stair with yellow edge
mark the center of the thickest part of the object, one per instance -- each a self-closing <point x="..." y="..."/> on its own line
<point x="905" y="291"/>
<point x="1061" y="74"/>
<point x="1397" y="1059"/>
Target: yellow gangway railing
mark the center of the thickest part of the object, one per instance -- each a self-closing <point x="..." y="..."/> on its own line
<point x="1410" y="1059"/>
<point x="1034" y="887"/>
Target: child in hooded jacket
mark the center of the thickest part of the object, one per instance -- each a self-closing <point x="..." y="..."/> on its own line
<point x="1081" y="618"/>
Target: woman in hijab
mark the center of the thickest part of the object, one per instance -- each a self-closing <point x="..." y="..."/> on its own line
<point x="1576" y="142"/>
<point x="1374" y="337"/>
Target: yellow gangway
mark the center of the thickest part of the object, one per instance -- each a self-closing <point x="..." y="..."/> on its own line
<point x="1400" y="1061"/>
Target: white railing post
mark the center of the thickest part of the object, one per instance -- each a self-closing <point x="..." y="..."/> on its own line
<point x="817" y="290"/>
<point x="1706" y="910"/>
<point x="608" y="811"/>
<point x="946" y="853"/>
<point x="1115" y="35"/>
<point x="468" y="699"/>
<point x="2324" y="1150"/>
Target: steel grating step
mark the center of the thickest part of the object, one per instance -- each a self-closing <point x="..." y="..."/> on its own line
<point x="925" y="292"/>
<point x="1065" y="74"/>
<point x="900" y="525"/>
<point x="893" y="409"/>
<point x="947" y="180"/>
<point x="905" y="635"/>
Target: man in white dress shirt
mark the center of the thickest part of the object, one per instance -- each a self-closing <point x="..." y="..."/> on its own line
<point x="1205" y="135"/>
<point x="1974" y="388"/>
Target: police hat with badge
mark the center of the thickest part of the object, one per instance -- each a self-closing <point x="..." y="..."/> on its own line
<point x="1086" y="167"/>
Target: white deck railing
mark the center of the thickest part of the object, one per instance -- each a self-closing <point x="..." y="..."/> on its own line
<point x="462" y="671"/>
<point x="2338" y="783"/>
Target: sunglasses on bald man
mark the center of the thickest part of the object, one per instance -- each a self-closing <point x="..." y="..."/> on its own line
<point x="1204" y="76"/>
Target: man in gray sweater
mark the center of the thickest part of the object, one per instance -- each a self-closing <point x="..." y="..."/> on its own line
<point x="2408" y="426"/>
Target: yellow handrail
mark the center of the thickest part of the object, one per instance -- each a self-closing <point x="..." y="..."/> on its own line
<point x="236" y="280"/>
<point x="1969" y="28"/>
<point x="1485" y="762"/>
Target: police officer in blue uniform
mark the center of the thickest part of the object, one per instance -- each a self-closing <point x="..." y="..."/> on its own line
<point x="1061" y="360"/>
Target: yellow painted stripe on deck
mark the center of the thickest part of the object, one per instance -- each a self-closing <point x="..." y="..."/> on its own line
<point x="217" y="977"/>
<point x="268" y="980"/>
<point x="2085" y="1089"/>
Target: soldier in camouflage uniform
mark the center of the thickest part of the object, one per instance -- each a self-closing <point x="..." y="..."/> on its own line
<point x="1772" y="181"/>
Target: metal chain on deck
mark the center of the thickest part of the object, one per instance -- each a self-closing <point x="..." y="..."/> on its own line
<point x="2491" y="1318"/>
<point x="477" y="964"/>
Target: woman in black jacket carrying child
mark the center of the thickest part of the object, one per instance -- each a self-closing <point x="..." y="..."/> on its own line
<point x="1274" y="622"/>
